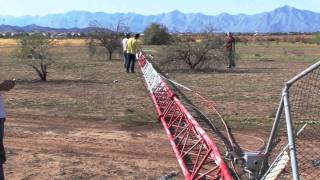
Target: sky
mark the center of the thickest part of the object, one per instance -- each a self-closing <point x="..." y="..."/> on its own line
<point x="147" y="7"/>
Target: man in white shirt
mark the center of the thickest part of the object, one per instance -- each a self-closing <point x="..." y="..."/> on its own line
<point x="4" y="86"/>
<point x="124" y="48"/>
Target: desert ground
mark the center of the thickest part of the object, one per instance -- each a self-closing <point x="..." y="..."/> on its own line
<point x="91" y="120"/>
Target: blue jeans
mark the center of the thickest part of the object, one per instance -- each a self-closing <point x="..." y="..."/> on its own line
<point x="131" y="62"/>
<point x="125" y="59"/>
<point x="2" y="151"/>
<point x="1" y="172"/>
<point x="232" y="63"/>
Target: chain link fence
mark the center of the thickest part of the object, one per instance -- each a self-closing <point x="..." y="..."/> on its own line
<point x="294" y="145"/>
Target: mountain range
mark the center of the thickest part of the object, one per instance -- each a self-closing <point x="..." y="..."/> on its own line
<point x="283" y="19"/>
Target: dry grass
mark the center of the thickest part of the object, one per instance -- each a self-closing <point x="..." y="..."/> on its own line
<point x="250" y="93"/>
<point x="58" y="42"/>
<point x="8" y="42"/>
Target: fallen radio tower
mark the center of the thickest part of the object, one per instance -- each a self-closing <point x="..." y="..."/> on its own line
<point x="197" y="154"/>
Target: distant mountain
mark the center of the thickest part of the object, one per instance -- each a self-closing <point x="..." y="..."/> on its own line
<point x="36" y="28"/>
<point x="284" y="19"/>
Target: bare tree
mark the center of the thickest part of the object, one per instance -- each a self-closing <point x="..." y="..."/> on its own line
<point x="35" y="47"/>
<point x="108" y="37"/>
<point x="111" y="41"/>
<point x="121" y="25"/>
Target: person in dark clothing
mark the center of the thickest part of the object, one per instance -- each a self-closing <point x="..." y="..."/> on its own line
<point x="230" y="46"/>
<point x="5" y="86"/>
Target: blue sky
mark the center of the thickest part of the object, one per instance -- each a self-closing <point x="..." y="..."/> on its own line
<point x="210" y="7"/>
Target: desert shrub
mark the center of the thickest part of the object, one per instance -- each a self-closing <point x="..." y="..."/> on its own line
<point x="305" y="40"/>
<point x="206" y="54"/>
<point x="298" y="39"/>
<point x="157" y="34"/>
<point x="270" y="38"/>
<point x="34" y="51"/>
<point x="284" y="39"/>
<point x="317" y="38"/>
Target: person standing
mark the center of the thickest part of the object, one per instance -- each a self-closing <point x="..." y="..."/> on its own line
<point x="230" y="46"/>
<point x="124" y="48"/>
<point x="5" y="86"/>
<point x="133" y="48"/>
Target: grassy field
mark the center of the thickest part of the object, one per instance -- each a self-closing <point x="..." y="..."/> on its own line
<point x="251" y="92"/>
<point x="91" y="120"/>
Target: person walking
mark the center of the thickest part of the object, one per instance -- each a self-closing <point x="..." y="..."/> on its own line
<point x="132" y="50"/>
<point x="4" y="86"/>
<point x="230" y="46"/>
<point x="125" y="48"/>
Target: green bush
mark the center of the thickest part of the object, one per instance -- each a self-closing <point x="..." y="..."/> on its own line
<point x="157" y="34"/>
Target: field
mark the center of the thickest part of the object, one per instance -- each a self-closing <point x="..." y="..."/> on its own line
<point x="91" y="120"/>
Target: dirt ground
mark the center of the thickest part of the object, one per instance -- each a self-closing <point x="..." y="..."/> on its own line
<point x="91" y="120"/>
<point x="57" y="148"/>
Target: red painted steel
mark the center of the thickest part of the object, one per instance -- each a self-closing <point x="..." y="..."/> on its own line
<point x="197" y="154"/>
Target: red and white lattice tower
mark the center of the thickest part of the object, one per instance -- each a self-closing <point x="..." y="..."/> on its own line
<point x="197" y="154"/>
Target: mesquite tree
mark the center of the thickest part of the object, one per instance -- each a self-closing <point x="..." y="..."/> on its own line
<point x="34" y="50"/>
<point x="208" y="52"/>
<point x="107" y="37"/>
<point x="110" y="40"/>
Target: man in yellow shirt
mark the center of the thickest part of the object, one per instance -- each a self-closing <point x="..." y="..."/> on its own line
<point x="132" y="50"/>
